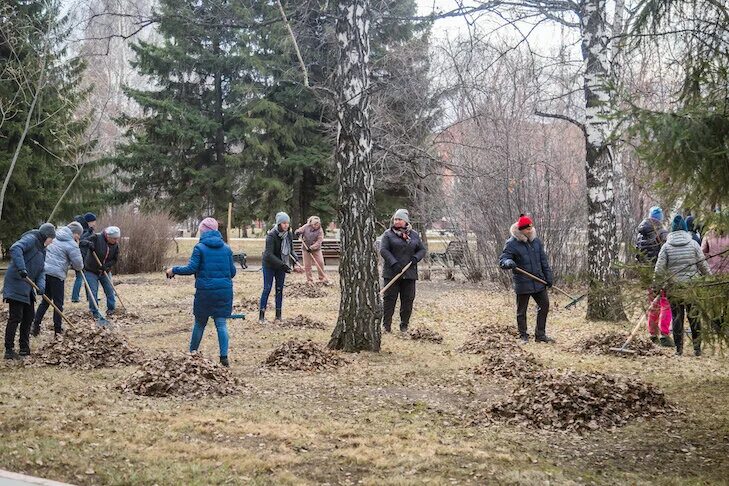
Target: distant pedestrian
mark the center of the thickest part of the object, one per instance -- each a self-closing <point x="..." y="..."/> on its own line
<point x="27" y="261"/>
<point x="525" y="251"/>
<point x="212" y="264"/>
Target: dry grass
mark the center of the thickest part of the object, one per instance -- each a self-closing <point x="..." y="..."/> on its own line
<point x="402" y="416"/>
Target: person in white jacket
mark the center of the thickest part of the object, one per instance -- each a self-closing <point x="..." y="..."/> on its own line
<point x="61" y="254"/>
<point x="680" y="261"/>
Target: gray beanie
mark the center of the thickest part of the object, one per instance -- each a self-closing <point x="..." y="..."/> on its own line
<point x="113" y="232"/>
<point x="282" y="218"/>
<point x="76" y="228"/>
<point x="47" y="230"/>
<point x="402" y="214"/>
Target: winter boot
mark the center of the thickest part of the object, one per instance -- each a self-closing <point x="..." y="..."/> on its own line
<point x="24" y="351"/>
<point x="11" y="354"/>
<point x="679" y="350"/>
<point x="654" y="339"/>
<point x="544" y="339"/>
<point x="262" y="316"/>
<point x="35" y="330"/>
<point x="403" y="327"/>
<point x="666" y="341"/>
<point x="224" y="361"/>
<point x="278" y="315"/>
<point x="524" y="338"/>
<point x="387" y="328"/>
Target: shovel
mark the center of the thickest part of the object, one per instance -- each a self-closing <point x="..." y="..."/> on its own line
<point x="397" y="277"/>
<point x="109" y="278"/>
<point x="575" y="300"/>
<point x="49" y="301"/>
<point x="318" y="265"/>
<point x="101" y="320"/>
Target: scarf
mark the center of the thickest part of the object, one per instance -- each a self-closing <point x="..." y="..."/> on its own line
<point x="403" y="233"/>
<point x="285" y="246"/>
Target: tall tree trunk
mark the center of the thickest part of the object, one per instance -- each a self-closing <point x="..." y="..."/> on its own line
<point x="360" y="311"/>
<point x="604" y="299"/>
<point x="221" y="198"/>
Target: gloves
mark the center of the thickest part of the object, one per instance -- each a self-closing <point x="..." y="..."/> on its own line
<point x="549" y="285"/>
<point x="508" y="265"/>
<point x="397" y="267"/>
<point x="40" y="291"/>
<point x="287" y="269"/>
<point x="23" y="274"/>
<point x="414" y="260"/>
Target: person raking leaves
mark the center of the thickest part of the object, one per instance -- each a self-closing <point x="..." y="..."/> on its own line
<point x="105" y="246"/>
<point x="523" y="250"/>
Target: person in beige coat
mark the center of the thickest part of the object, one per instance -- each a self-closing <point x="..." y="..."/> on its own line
<point x="312" y="235"/>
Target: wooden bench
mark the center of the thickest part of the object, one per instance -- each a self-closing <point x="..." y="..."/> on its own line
<point x="331" y="250"/>
<point x="454" y="254"/>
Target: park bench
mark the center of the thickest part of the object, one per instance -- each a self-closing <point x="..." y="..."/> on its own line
<point x="331" y="250"/>
<point x="454" y="254"/>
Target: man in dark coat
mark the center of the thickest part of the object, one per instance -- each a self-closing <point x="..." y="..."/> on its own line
<point x="524" y="250"/>
<point x="105" y="246"/>
<point x="88" y="223"/>
<point x="399" y="246"/>
<point x="27" y="261"/>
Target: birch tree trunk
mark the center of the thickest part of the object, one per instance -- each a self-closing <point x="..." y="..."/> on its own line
<point x="358" y="325"/>
<point x="604" y="299"/>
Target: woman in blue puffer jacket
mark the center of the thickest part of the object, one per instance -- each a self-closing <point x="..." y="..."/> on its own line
<point x="212" y="264"/>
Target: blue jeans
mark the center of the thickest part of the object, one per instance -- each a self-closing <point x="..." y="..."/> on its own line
<point x="108" y="290"/>
<point x="269" y="274"/>
<point x="77" y="284"/>
<point x="221" y="325"/>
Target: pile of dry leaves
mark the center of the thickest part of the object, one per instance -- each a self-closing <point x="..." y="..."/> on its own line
<point x="304" y="356"/>
<point x="88" y="347"/>
<point x="573" y="401"/>
<point x="514" y="364"/>
<point x="487" y="339"/>
<point x="245" y="305"/>
<point x="187" y="375"/>
<point x="305" y="290"/>
<point x="302" y="322"/>
<point x="601" y="344"/>
<point x="426" y="334"/>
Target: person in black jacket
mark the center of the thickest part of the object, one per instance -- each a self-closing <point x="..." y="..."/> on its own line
<point x="524" y="250"/>
<point x="399" y="246"/>
<point x="651" y="236"/>
<point x="88" y="223"/>
<point x="279" y="259"/>
<point x="105" y="246"/>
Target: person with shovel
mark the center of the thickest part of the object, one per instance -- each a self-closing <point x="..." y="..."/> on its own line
<point x="105" y="246"/>
<point x="27" y="262"/>
<point x="61" y="254"/>
<point x="279" y="259"/>
<point x="680" y="261"/>
<point x="524" y="251"/>
<point x="212" y="264"/>
<point x="402" y="249"/>
<point x="312" y="236"/>
<point x="88" y="223"/>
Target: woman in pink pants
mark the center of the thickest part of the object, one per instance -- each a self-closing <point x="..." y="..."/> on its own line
<point x="312" y="235"/>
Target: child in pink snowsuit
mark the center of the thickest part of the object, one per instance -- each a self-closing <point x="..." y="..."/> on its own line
<point x="659" y="318"/>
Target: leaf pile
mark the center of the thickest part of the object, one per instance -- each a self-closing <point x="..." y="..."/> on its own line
<point x="601" y="344"/>
<point x="305" y="290"/>
<point x="87" y="347"/>
<point x="304" y="356"/>
<point x="573" y="401"/>
<point x="302" y="322"/>
<point x="187" y="375"/>
<point x="516" y="364"/>
<point x="486" y="340"/>
<point x="244" y="305"/>
<point x="426" y="334"/>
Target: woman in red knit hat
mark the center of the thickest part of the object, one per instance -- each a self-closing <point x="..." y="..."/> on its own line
<point x="524" y="250"/>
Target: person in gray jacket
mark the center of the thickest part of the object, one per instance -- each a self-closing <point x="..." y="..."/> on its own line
<point x="27" y="261"/>
<point x="680" y="261"/>
<point x="61" y="254"/>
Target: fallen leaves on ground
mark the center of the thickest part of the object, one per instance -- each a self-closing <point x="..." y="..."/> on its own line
<point x="305" y="290"/>
<point x="246" y="304"/>
<point x="187" y="375"/>
<point x="489" y="338"/>
<point x="304" y="356"/>
<point x="302" y="322"/>
<point x="512" y="364"/>
<point x="426" y="334"/>
<point x="601" y="344"/>
<point x="574" y="401"/>
<point x="88" y="347"/>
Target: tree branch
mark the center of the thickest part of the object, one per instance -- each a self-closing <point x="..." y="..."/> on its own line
<point x="566" y="118"/>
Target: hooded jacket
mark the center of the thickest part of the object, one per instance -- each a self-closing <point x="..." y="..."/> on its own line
<point x="62" y="253"/>
<point x="212" y="264"/>
<point x="29" y="254"/>
<point x="718" y="245"/>
<point x="681" y="258"/>
<point x="651" y="237"/>
<point x="529" y="256"/>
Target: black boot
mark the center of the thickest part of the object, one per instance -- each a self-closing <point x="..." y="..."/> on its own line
<point x="35" y="330"/>
<point x="403" y="327"/>
<point x="387" y="328"/>
<point x="524" y="338"/>
<point x="224" y="361"/>
<point x="24" y="351"/>
<point x="262" y="316"/>
<point x="11" y="354"/>
<point x="544" y="339"/>
<point x="278" y="315"/>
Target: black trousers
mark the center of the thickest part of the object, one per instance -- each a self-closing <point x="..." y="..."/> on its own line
<point x="679" y="311"/>
<point x="522" y="304"/>
<point x="406" y="290"/>
<point x="21" y="314"/>
<point x="54" y="291"/>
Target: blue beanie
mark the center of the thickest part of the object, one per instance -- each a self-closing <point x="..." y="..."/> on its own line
<point x="282" y="218"/>
<point x="679" y="224"/>
<point x="656" y="213"/>
<point x="89" y="217"/>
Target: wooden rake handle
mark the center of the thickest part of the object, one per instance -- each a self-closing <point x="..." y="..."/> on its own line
<point x="49" y="301"/>
<point x="318" y="265"/>
<point x="534" y="277"/>
<point x="397" y="277"/>
<point x="101" y="267"/>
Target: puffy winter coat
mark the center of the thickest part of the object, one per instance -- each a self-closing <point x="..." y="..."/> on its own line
<point x="62" y="253"/>
<point x="651" y="237"/>
<point x="212" y="264"/>
<point x="108" y="254"/>
<point x="312" y="237"/>
<point x="718" y="245"/>
<point x="681" y="258"/>
<point x="529" y="256"/>
<point x="396" y="250"/>
<point x="29" y="254"/>
<point x="272" y="253"/>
